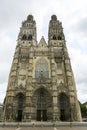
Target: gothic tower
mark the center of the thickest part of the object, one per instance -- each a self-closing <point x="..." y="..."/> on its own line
<point x="41" y="84"/>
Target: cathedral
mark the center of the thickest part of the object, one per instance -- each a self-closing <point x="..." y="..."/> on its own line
<point x="41" y="85"/>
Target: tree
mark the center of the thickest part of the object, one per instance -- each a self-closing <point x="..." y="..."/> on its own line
<point x="83" y="110"/>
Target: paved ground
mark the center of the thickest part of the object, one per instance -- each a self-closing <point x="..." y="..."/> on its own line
<point x="44" y="128"/>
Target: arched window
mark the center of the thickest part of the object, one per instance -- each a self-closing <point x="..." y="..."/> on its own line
<point x="41" y="68"/>
<point x="24" y="37"/>
<point x="30" y="37"/>
<point x="54" y="37"/>
<point x="59" y="38"/>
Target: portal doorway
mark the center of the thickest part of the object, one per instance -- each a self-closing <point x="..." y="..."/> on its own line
<point x="64" y="104"/>
<point x="20" y="105"/>
<point x="42" y="105"/>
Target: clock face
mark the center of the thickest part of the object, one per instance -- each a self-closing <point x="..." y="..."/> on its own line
<point x="41" y="68"/>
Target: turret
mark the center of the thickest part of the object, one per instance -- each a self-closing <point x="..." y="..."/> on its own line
<point x="55" y="31"/>
<point x="27" y="32"/>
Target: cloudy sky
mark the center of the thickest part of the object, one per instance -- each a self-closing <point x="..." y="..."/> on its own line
<point x="72" y="14"/>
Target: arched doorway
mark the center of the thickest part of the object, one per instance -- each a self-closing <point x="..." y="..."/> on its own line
<point x="43" y="101"/>
<point x="64" y="104"/>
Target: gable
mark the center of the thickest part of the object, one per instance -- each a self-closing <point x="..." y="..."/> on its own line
<point x="42" y="43"/>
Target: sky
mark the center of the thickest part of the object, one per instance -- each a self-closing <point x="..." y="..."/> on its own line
<point x="72" y="14"/>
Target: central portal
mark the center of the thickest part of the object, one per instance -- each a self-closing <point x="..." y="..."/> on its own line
<point x="42" y="100"/>
<point x="41" y="106"/>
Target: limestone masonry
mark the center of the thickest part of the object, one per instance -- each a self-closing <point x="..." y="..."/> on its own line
<point x="41" y="85"/>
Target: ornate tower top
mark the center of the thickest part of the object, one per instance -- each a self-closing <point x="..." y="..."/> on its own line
<point x="54" y="17"/>
<point x="28" y="30"/>
<point x="30" y="18"/>
<point x="55" y="29"/>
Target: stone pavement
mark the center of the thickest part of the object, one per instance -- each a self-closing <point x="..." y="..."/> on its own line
<point x="43" y="126"/>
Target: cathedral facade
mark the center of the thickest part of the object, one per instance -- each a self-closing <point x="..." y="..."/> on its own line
<point x="41" y="85"/>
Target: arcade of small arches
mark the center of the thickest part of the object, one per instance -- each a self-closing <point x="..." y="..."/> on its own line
<point x="29" y="37"/>
<point x="57" y="37"/>
<point x="25" y="37"/>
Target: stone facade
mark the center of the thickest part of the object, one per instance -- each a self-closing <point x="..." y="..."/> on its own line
<point x="1" y="112"/>
<point x="41" y="84"/>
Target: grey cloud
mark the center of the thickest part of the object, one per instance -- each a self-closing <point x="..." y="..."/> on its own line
<point x="3" y="87"/>
<point x="80" y="26"/>
<point x="4" y="72"/>
<point x="82" y="80"/>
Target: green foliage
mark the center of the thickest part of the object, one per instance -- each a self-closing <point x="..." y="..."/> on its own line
<point x="83" y="110"/>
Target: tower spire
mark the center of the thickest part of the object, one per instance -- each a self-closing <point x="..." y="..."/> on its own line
<point x="28" y="32"/>
<point x="55" y="29"/>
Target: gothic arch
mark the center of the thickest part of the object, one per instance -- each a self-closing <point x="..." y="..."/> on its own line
<point x="19" y="102"/>
<point x="59" y="38"/>
<point x="30" y="37"/>
<point x="24" y="37"/>
<point x="41" y="69"/>
<point x="42" y="103"/>
<point x="64" y="104"/>
<point x="54" y="37"/>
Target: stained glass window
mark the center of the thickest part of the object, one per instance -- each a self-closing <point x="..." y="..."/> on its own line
<point x="41" y="68"/>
